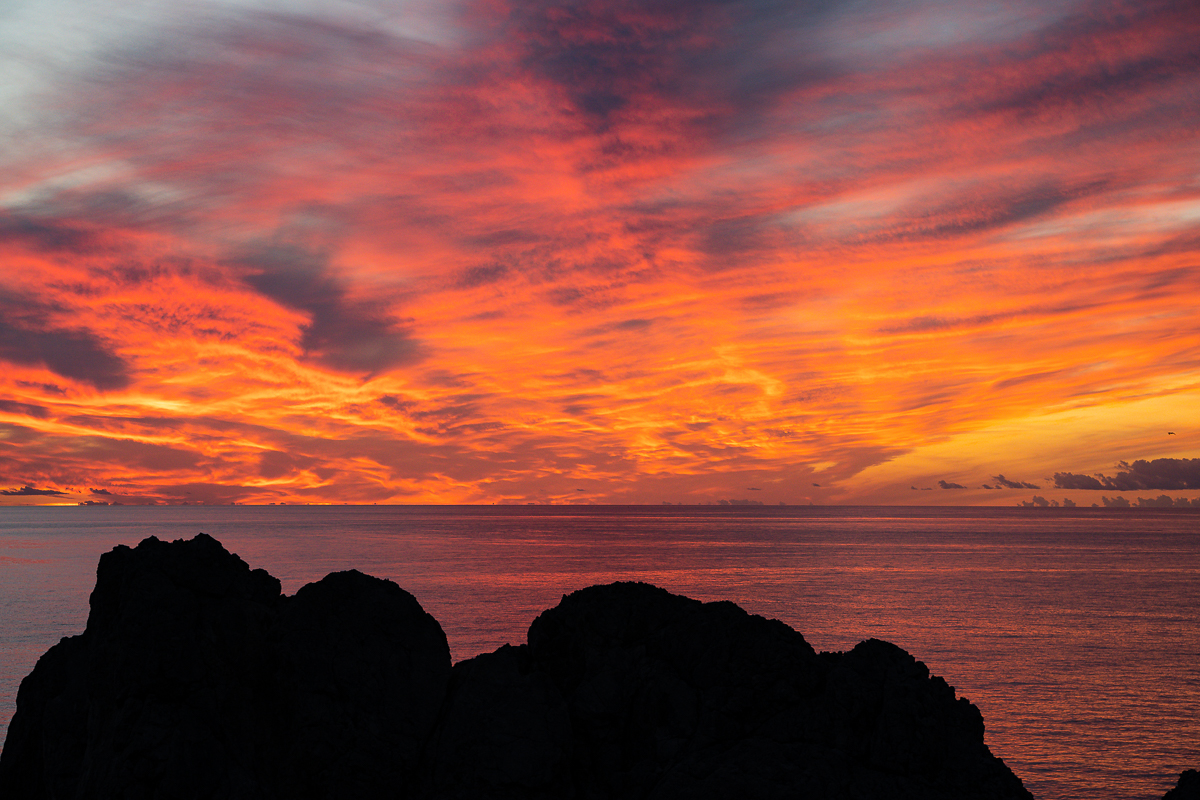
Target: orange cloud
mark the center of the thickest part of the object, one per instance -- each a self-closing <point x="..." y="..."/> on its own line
<point x="644" y="251"/>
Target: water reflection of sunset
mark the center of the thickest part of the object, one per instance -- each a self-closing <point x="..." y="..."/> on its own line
<point x="614" y="252"/>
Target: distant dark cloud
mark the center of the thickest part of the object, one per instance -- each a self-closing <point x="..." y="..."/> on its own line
<point x="1183" y="502"/>
<point x="633" y="324"/>
<point x="1161" y="473"/>
<point x="931" y="324"/>
<point x="48" y="388"/>
<point x="1095" y="84"/>
<point x="30" y="335"/>
<point x="581" y="298"/>
<point x="391" y="401"/>
<point x="738" y="236"/>
<point x="44" y="234"/>
<point x="1040" y="502"/>
<point x="274" y="464"/>
<point x="1069" y="480"/>
<point x="343" y="333"/>
<point x="1155" y="47"/>
<point x="1162" y="501"/>
<point x="979" y="210"/>
<point x="14" y="436"/>
<point x="26" y="409"/>
<point x="948" y="485"/>
<point x="721" y="58"/>
<point x="132" y="453"/>
<point x="1003" y="481"/>
<point x="101" y="491"/>
<point x="636" y="324"/>
<point x="770" y="300"/>
<point x="29" y="491"/>
<point x="473" y="277"/>
<point x="203" y="493"/>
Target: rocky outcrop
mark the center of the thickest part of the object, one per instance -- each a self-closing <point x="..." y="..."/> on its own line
<point x="629" y="691"/>
<point x="1188" y="787"/>
<point x="196" y="678"/>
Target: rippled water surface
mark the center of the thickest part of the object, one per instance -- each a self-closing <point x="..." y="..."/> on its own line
<point x="1075" y="631"/>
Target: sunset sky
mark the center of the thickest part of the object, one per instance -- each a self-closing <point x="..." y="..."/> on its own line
<point x="599" y="252"/>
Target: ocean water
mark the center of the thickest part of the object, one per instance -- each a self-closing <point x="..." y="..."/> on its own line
<point x="1075" y="631"/>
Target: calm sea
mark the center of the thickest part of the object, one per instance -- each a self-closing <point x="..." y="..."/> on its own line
<point x="1075" y="631"/>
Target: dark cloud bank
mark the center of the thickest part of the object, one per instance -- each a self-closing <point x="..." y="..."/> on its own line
<point x="1040" y="502"/>
<point x="29" y="491"/>
<point x="343" y="333"/>
<point x="1162" y="501"/>
<point x="1162" y="473"/>
<point x="31" y="336"/>
<point x="1002" y="481"/>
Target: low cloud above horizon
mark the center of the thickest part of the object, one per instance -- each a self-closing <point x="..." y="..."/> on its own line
<point x="1161" y="473"/>
<point x="608" y="252"/>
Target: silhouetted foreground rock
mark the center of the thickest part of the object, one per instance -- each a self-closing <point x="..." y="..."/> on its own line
<point x="196" y="678"/>
<point x="1188" y="787"/>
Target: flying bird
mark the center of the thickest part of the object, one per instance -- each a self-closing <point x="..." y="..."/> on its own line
<point x="1170" y="433"/>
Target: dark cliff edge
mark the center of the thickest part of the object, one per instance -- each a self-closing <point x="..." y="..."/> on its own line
<point x="197" y="678"/>
<point x="1188" y="787"/>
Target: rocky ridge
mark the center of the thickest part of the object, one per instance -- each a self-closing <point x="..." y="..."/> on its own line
<point x="197" y="678"/>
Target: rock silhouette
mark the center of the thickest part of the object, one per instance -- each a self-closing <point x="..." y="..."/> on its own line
<point x="197" y="678"/>
<point x="1188" y="787"/>
<point x="629" y="691"/>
